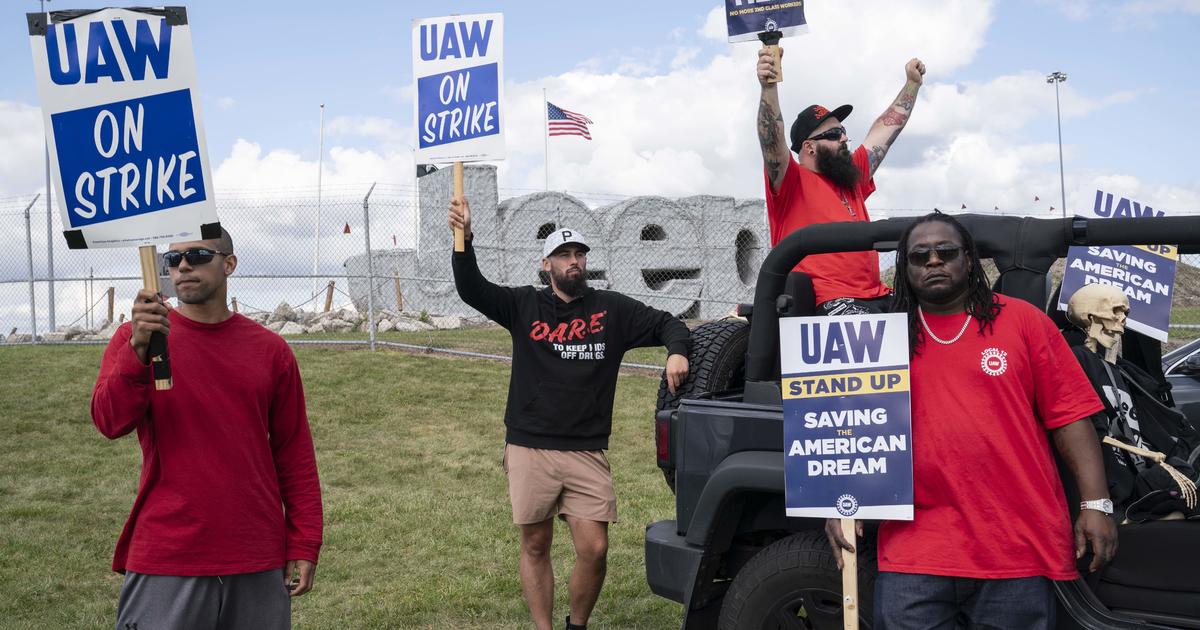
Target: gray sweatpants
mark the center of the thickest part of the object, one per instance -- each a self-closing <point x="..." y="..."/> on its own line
<point x="246" y="601"/>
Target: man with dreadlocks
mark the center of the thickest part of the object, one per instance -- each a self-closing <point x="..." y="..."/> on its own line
<point x="993" y="383"/>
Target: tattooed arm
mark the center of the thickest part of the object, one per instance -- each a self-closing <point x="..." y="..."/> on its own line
<point x="769" y="121"/>
<point x="888" y="126"/>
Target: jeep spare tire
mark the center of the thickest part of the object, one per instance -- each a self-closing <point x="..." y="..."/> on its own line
<point x="716" y="363"/>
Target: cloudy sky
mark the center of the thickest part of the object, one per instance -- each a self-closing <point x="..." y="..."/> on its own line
<point x="674" y="103"/>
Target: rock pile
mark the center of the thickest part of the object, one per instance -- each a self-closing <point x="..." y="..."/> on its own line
<point x="286" y="321"/>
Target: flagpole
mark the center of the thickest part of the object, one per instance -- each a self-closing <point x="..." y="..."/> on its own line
<point x="317" y="228"/>
<point x="546" y="136"/>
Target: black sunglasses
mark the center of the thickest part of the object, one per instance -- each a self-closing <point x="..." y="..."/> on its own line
<point x="195" y="256"/>
<point x="919" y="256"/>
<point x="834" y="133"/>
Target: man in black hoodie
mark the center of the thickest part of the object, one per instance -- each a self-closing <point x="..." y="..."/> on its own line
<point x="568" y="342"/>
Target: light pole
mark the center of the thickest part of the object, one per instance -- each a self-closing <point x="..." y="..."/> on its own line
<point x="1057" y="77"/>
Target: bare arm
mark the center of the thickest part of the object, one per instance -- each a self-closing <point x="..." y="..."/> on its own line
<point x="771" y="134"/>
<point x="1080" y="449"/>
<point x="888" y="126"/>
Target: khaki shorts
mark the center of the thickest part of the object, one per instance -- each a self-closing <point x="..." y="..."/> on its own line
<point x="544" y="482"/>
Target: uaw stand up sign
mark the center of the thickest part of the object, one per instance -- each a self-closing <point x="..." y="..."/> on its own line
<point x="846" y="424"/>
<point x="129" y="164"/>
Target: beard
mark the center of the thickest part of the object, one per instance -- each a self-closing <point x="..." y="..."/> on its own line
<point x="571" y="285"/>
<point x="838" y="166"/>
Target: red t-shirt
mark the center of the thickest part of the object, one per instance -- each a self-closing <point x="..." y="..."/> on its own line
<point x="988" y="500"/>
<point x="805" y="198"/>
<point x="229" y="479"/>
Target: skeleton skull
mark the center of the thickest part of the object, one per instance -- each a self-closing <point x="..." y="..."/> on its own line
<point x="1101" y="310"/>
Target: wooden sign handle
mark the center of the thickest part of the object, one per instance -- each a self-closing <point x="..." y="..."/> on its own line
<point x="770" y="40"/>
<point x="849" y="578"/>
<point x="460" y="239"/>
<point x="159" y="361"/>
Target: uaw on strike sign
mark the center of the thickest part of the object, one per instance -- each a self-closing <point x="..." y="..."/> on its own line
<point x="846" y="417"/>
<point x="457" y="66"/>
<point x="129" y="163"/>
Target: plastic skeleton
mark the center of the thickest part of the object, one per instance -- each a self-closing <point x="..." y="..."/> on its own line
<point x="1101" y="310"/>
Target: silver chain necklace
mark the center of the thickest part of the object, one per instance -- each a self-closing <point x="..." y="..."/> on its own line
<point x="928" y="331"/>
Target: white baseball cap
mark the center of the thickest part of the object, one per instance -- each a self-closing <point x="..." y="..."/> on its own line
<point x="561" y="237"/>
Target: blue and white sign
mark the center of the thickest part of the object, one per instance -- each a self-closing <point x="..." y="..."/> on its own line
<point x="747" y="18"/>
<point x="459" y="73"/>
<point x="1145" y="273"/>
<point x="129" y="162"/>
<point x="847" y="423"/>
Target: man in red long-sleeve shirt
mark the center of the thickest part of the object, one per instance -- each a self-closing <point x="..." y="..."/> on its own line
<point x="228" y="507"/>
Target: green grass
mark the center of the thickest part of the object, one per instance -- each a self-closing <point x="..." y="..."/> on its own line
<point x="488" y="340"/>
<point x="417" y="522"/>
<point x="1183" y="315"/>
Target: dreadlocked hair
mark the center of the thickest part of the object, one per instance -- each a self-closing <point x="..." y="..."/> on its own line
<point x="981" y="304"/>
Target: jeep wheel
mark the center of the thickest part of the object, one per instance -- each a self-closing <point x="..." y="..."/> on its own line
<point x="717" y="362"/>
<point x="794" y="583"/>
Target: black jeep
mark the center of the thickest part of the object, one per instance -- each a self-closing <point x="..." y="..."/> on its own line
<point x="731" y="556"/>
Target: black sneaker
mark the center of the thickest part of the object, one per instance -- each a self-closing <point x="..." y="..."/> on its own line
<point x="571" y="626"/>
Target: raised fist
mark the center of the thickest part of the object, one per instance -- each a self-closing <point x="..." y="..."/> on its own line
<point x="915" y="70"/>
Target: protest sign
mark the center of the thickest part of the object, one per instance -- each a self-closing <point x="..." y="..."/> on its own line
<point x="458" y="70"/>
<point x="1145" y="273"/>
<point x="847" y="426"/>
<point x="745" y="19"/>
<point x="767" y="21"/>
<point x="460" y="88"/>
<point x="129" y="162"/>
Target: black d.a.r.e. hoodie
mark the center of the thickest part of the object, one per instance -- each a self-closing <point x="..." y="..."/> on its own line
<point x="565" y="355"/>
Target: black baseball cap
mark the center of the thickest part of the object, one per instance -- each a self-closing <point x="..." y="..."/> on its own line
<point x="811" y="118"/>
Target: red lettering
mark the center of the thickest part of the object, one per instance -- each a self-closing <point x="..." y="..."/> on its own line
<point x="596" y="325"/>
<point x="578" y="329"/>
<point x="539" y="331"/>
<point x="559" y="333"/>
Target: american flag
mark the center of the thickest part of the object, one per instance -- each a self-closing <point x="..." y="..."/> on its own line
<point x="566" y="123"/>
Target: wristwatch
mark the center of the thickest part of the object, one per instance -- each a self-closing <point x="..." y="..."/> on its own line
<point x="1101" y="505"/>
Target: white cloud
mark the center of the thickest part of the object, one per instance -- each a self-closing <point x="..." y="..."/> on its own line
<point x="248" y="168"/>
<point x="714" y="25"/>
<point x="22" y="165"/>
<point x="226" y="103"/>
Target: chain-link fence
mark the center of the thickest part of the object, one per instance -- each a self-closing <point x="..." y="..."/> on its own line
<point x="304" y="264"/>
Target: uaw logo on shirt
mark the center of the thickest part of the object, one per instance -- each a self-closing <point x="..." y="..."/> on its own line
<point x="847" y="505"/>
<point x="994" y="361"/>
